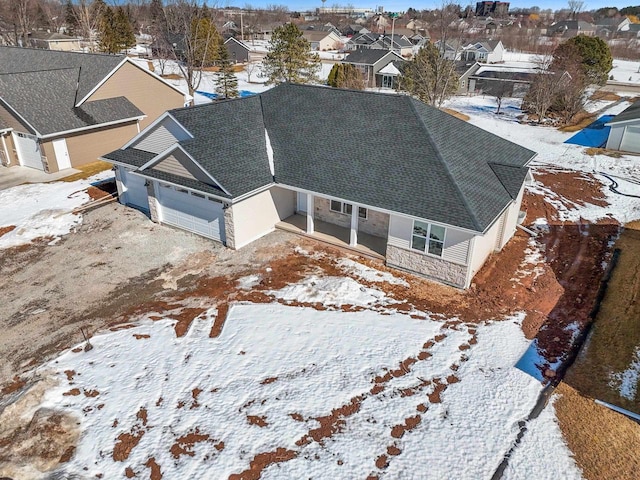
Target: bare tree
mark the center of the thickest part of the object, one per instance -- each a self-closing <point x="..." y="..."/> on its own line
<point x="542" y="92"/>
<point x="88" y="17"/>
<point x="251" y="68"/>
<point x="498" y="89"/>
<point x="191" y="39"/>
<point x="23" y="16"/>
<point x="575" y="6"/>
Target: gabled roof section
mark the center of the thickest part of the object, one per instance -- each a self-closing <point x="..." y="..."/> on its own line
<point x="632" y="112"/>
<point x="229" y="142"/>
<point x="371" y="56"/>
<point x="93" y="67"/>
<point x="46" y="99"/>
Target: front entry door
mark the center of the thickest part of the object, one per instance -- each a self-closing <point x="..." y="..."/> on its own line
<point x="62" y="154"/>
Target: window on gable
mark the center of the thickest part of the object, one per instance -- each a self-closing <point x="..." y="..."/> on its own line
<point x="428" y="238"/>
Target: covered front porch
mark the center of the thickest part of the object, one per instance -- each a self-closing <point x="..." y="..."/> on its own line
<point x="345" y="225"/>
<point x="368" y="245"/>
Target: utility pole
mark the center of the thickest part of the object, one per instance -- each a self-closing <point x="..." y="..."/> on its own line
<point x="393" y="26"/>
<point x="241" y="26"/>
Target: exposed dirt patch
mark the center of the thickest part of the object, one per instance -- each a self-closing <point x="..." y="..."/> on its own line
<point x="331" y="424"/>
<point x="606" y="96"/>
<point x="269" y="380"/>
<point x="605" y="444"/>
<point x="72" y="393"/>
<point x="125" y="444"/>
<point x="297" y="417"/>
<point x="67" y="454"/>
<point x="140" y="336"/>
<point x="393" y="450"/>
<point x="129" y="473"/>
<point x="184" y="444"/>
<point x="262" y="461"/>
<point x="7" y="229"/>
<point x="102" y="190"/>
<point x="91" y="393"/>
<point x="256" y="420"/>
<point x="156" y="473"/>
<point x="194" y="394"/>
<point x="70" y="374"/>
<point x="382" y="462"/>
<point x="142" y="416"/>
<point x="16" y="384"/>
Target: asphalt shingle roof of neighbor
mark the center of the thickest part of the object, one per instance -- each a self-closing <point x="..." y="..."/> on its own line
<point x="368" y="56"/>
<point x="94" y="67"/>
<point x="632" y="112"/>
<point x="406" y="157"/>
<point x="46" y="101"/>
<point x="186" y="182"/>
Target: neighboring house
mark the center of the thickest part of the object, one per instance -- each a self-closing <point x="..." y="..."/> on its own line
<point x="55" y="41"/>
<point x="398" y="186"/>
<point x="327" y="27"/>
<point x="353" y="29"/>
<point x="571" y="28"/>
<point x="379" y="68"/>
<point x="66" y="109"/>
<point x="484" y="51"/>
<point x="238" y="50"/>
<point x="625" y="130"/>
<point x="381" y="41"/>
<point x="449" y="49"/>
<point x="509" y="81"/>
<point x="610" y="27"/>
<point x="322" y="41"/>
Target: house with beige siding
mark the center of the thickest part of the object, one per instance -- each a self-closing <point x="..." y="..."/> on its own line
<point x="65" y="109"/>
<point x="399" y="187"/>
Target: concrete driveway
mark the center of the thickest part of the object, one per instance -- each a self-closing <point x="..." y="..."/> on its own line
<point x="16" y="175"/>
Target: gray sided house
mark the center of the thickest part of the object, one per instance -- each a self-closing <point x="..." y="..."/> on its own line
<point x="379" y="68"/>
<point x="400" y="186"/>
<point x="625" y="130"/>
<point x="238" y="50"/>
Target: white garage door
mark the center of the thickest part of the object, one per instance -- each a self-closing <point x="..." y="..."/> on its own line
<point x="28" y="150"/>
<point x="631" y="140"/>
<point x="135" y="191"/>
<point x="193" y="212"/>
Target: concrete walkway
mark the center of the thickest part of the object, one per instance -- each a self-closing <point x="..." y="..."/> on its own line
<point x="16" y="175"/>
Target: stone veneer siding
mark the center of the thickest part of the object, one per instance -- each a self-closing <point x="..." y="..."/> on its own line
<point x="432" y="267"/>
<point x="229" y="235"/>
<point x="322" y="208"/>
<point x="376" y="223"/>
<point x="153" y="202"/>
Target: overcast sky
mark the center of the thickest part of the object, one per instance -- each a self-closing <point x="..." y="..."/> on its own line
<point x="403" y="5"/>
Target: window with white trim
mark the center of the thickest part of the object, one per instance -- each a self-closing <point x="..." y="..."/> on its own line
<point x="346" y="208"/>
<point x="428" y="238"/>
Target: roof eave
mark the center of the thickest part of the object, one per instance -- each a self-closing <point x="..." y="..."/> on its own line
<point x="91" y="127"/>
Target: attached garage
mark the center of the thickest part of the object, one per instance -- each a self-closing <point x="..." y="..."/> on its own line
<point x="134" y="190"/>
<point x="195" y="212"/>
<point x="28" y="150"/>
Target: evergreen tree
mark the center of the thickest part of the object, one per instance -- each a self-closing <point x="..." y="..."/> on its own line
<point x="106" y="31"/>
<point x="289" y="58"/>
<point x="429" y="77"/>
<point x="345" y="75"/>
<point x="70" y="18"/>
<point x="597" y="61"/>
<point x="205" y="40"/>
<point x="125" y="38"/>
<point x="226" y="81"/>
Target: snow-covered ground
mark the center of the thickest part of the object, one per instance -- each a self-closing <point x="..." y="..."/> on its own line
<point x="43" y="209"/>
<point x="275" y="376"/>
<point x="626" y="71"/>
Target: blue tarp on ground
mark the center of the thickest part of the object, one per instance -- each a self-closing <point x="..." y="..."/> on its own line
<point x="594" y="135"/>
<point x="213" y="96"/>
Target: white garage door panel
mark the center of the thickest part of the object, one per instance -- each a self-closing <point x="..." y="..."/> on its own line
<point x="631" y="140"/>
<point x="135" y="191"/>
<point x="28" y="151"/>
<point x="198" y="215"/>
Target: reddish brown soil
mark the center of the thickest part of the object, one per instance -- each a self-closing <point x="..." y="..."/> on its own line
<point x="129" y="473"/>
<point x="194" y="393"/>
<point x="219" y="446"/>
<point x="297" y="417"/>
<point x="4" y="230"/>
<point x="16" y="384"/>
<point x="156" y="473"/>
<point x="221" y="317"/>
<point x="184" y="445"/>
<point x="140" y="336"/>
<point x="262" y="461"/>
<point x="72" y="393"/>
<point x="382" y="462"/>
<point x="70" y="374"/>
<point x="332" y="423"/>
<point x="102" y="190"/>
<point x="125" y="444"/>
<point x="393" y="450"/>
<point x="142" y="416"/>
<point x="269" y="380"/>
<point x="259" y="421"/>
<point x="67" y="455"/>
<point x="91" y="393"/>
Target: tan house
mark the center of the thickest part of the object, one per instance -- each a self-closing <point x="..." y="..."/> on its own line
<point x="322" y="41"/>
<point x="398" y="187"/>
<point x="55" y="41"/>
<point x="60" y="109"/>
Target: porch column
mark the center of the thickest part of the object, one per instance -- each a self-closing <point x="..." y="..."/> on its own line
<point x="310" y="210"/>
<point x="353" y="239"/>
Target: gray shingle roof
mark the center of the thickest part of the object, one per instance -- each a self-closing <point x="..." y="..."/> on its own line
<point x="369" y="56"/>
<point x="46" y="101"/>
<point x="406" y="157"/>
<point x="94" y="67"/>
<point x="131" y="156"/>
<point x="632" y="112"/>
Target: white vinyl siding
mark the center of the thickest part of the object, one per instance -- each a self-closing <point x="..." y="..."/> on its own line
<point x="173" y="166"/>
<point x="28" y="150"/>
<point x="631" y="139"/>
<point x="134" y="190"/>
<point x="456" y="244"/>
<point x="165" y="134"/>
<point x="615" y="137"/>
